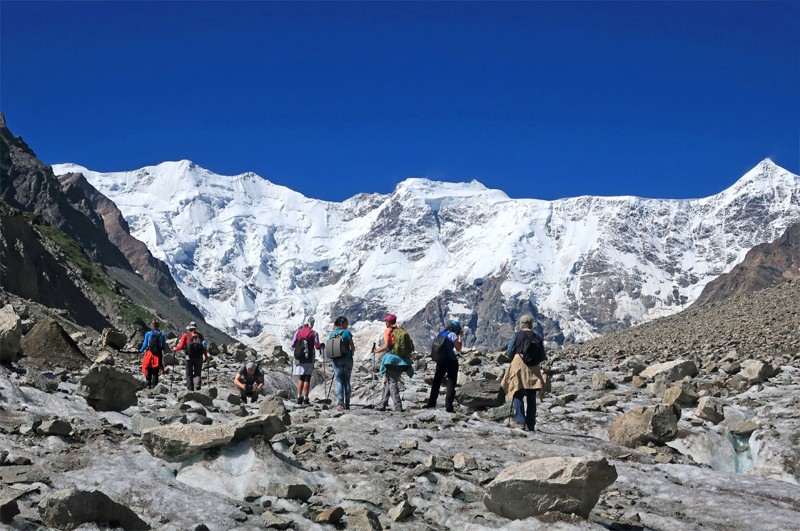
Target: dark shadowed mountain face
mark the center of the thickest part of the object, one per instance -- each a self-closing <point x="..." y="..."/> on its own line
<point x="67" y="247"/>
<point x="29" y="184"/>
<point x="764" y="266"/>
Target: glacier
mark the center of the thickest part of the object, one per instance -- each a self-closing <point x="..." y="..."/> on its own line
<point x="257" y="257"/>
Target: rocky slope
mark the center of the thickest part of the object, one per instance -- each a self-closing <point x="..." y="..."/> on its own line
<point x="256" y="257"/>
<point x="764" y="265"/>
<point x="66" y="246"/>
<point x="729" y="460"/>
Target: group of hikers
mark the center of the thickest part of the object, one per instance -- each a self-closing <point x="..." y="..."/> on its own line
<point x="520" y="382"/>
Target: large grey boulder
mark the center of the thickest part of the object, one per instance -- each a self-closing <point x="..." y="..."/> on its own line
<point x="710" y="409"/>
<point x="273" y="405"/>
<point x="563" y="484"/>
<point x="756" y="371"/>
<point x="178" y="442"/>
<point x="70" y="508"/>
<point x="10" y="334"/>
<point x="113" y="338"/>
<point x="682" y="393"/>
<point x="645" y="424"/>
<point x="481" y="394"/>
<point x="671" y="370"/>
<point x="107" y="389"/>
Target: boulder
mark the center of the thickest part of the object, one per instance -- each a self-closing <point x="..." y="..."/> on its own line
<point x="8" y="509"/>
<point x="330" y="516"/>
<point x="141" y="422"/>
<point x="10" y="334"/>
<point x="178" y="442"/>
<point x="682" y="393"/>
<point x="601" y="382"/>
<point x="107" y="389"/>
<point x="289" y="491"/>
<point x="70" y="508"/>
<point x="273" y="405"/>
<point x="462" y="461"/>
<point x="563" y="484"/>
<point x="276" y="521"/>
<point x="362" y="519"/>
<point x="710" y="409"/>
<point x="55" y="427"/>
<point x="756" y="371"/>
<point x="402" y="511"/>
<point x="481" y="394"/>
<point x="47" y="345"/>
<point x="645" y="424"/>
<point x="671" y="370"/>
<point x="113" y="338"/>
<point x="104" y="358"/>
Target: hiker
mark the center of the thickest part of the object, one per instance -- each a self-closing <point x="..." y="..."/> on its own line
<point x="397" y="347"/>
<point x="342" y="362"/>
<point x="154" y="345"/>
<point x="524" y="376"/>
<point x="448" y="345"/>
<point x="305" y="344"/>
<point x="196" y="352"/>
<point x="250" y="380"/>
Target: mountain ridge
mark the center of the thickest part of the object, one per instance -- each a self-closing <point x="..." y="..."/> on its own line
<point x="584" y="265"/>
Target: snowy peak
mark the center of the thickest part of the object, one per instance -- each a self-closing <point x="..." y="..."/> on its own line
<point x="257" y="257"/>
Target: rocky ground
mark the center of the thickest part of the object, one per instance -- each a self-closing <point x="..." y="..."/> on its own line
<point x="699" y="420"/>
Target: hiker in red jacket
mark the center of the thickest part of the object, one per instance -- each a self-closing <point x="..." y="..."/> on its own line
<point x="193" y="343"/>
<point x="154" y="346"/>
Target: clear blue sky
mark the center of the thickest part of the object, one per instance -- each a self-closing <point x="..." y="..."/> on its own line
<point x="543" y="100"/>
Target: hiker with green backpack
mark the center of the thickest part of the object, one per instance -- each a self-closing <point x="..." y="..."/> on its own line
<point x="339" y="348"/>
<point x="397" y="346"/>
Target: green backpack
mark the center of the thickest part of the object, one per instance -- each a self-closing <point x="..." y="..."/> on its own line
<point x="402" y="346"/>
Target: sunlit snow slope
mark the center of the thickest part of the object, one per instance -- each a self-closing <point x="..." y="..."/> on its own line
<point x="256" y="257"/>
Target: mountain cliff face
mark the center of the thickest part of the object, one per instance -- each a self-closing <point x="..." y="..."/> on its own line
<point x="256" y="257"/>
<point x="764" y="266"/>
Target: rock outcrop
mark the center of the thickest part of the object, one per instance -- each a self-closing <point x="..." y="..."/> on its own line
<point x="108" y="389"/>
<point x="563" y="484"/>
<point x="70" y="508"/>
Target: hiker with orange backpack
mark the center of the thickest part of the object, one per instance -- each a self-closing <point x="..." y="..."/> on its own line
<point x="154" y="345"/>
<point x="192" y="342"/>
<point x="397" y="348"/>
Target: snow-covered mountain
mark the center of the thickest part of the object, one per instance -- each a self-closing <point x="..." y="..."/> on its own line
<point x="256" y="257"/>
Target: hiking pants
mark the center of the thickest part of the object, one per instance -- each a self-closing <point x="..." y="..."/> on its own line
<point x="450" y="368"/>
<point x="245" y="394"/>
<point x="522" y="415"/>
<point x="391" y="388"/>
<point x="342" y="369"/>
<point x="152" y="377"/>
<point x="194" y="368"/>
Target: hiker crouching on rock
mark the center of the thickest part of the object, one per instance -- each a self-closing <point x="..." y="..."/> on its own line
<point x="193" y="343"/>
<point x="448" y="345"/>
<point x="524" y="376"/>
<point x="154" y="345"/>
<point x="305" y="344"/>
<point x="250" y="380"/>
<point x="394" y="362"/>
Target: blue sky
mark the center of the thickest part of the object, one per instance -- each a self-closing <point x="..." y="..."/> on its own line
<point x="542" y="100"/>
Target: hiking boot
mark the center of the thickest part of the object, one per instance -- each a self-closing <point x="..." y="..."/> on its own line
<point x="449" y="409"/>
<point x="429" y="406"/>
<point x="340" y="407"/>
<point x="300" y="400"/>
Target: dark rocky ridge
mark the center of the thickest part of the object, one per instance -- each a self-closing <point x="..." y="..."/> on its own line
<point x="764" y="265"/>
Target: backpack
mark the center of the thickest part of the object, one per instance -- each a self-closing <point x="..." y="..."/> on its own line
<point x="402" y="344"/>
<point x="154" y="343"/>
<point x="336" y="346"/>
<point x="441" y="348"/>
<point x="304" y="348"/>
<point x="195" y="346"/>
<point x="529" y="346"/>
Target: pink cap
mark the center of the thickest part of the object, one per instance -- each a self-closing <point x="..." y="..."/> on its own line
<point x="391" y="317"/>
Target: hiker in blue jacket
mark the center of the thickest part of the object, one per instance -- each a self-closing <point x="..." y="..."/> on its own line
<point x="449" y="366"/>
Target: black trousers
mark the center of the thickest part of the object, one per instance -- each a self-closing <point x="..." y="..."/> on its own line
<point x="152" y="376"/>
<point x="194" y="369"/>
<point x="449" y="368"/>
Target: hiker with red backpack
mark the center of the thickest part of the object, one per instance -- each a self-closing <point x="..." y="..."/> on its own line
<point x="524" y="377"/>
<point x="305" y="344"/>
<point x="193" y="343"/>
<point x="154" y="345"/>
<point x="397" y="348"/>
